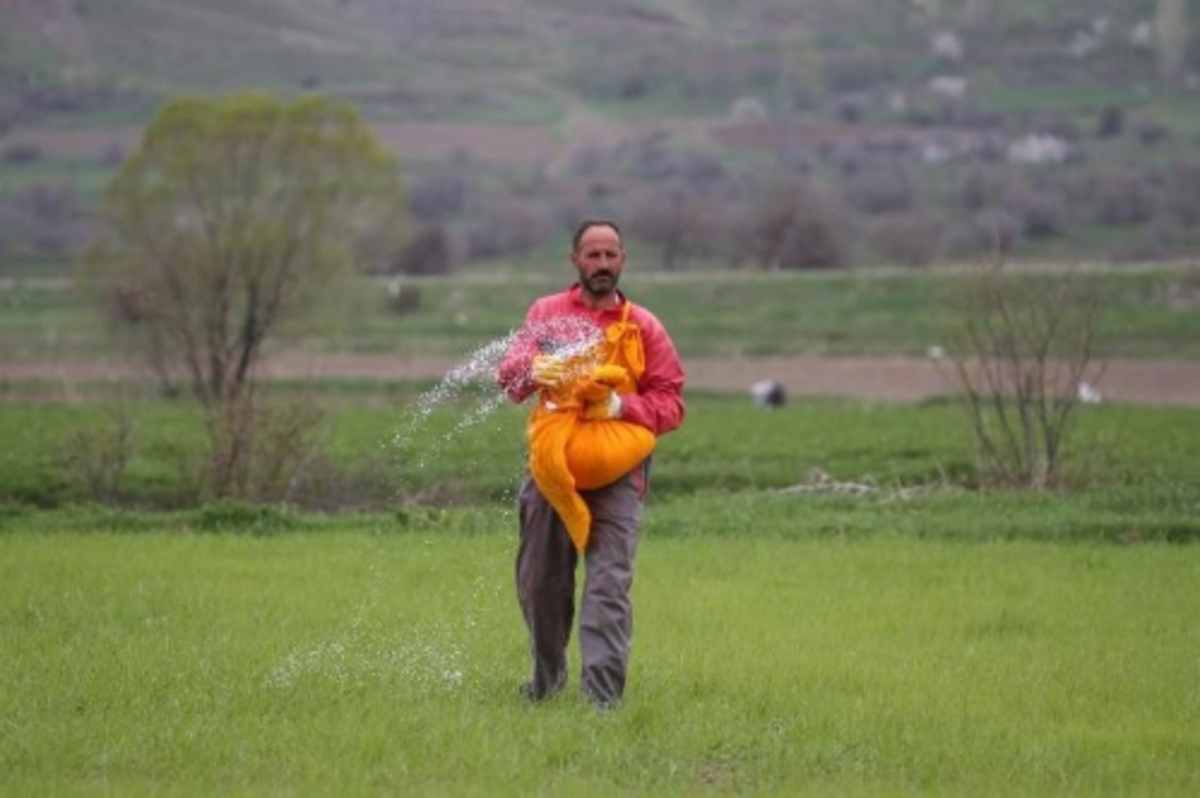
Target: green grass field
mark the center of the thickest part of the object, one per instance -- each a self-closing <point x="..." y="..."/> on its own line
<point x="465" y="450"/>
<point x="361" y="657"/>
<point x="922" y="637"/>
<point x="1145" y="313"/>
<point x="827" y="601"/>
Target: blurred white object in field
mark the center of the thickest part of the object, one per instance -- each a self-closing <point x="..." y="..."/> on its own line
<point x="945" y="44"/>
<point x="1039" y="148"/>
<point x="769" y="394"/>
<point x="1089" y="395"/>
<point x="950" y="87"/>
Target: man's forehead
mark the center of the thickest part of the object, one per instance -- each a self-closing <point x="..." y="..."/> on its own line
<point x="600" y="235"/>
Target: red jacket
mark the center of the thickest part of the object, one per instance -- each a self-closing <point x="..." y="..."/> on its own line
<point x="658" y="403"/>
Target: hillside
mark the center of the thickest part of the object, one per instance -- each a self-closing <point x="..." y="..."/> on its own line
<point x="515" y="59"/>
<point x="921" y="130"/>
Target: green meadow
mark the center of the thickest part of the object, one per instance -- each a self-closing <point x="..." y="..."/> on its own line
<point x="828" y="601"/>
<point x="370" y="656"/>
<point x="886" y="629"/>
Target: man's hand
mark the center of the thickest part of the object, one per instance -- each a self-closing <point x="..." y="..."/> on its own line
<point x="598" y="393"/>
<point x="603" y="409"/>
<point x="548" y="371"/>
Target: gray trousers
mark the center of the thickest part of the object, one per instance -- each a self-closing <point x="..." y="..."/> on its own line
<point x="546" y="565"/>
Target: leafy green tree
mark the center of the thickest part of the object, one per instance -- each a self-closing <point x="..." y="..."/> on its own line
<point x="230" y="216"/>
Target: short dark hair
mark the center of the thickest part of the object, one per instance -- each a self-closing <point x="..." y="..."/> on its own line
<point x="588" y="224"/>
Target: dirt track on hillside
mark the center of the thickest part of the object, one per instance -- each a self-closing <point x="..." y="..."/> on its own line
<point x="887" y="379"/>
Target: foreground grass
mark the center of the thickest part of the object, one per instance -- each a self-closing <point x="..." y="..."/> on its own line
<point x="357" y="658"/>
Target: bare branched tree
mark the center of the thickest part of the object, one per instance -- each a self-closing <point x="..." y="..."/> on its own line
<point x="793" y="224"/>
<point x="1021" y="349"/>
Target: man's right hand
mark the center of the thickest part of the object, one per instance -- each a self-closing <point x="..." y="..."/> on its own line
<point x="548" y="371"/>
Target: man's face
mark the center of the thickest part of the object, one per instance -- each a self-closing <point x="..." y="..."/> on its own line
<point x="599" y="259"/>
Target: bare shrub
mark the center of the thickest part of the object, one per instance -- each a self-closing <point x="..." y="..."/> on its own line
<point x="47" y="218"/>
<point x="442" y="193"/>
<point x="259" y="448"/>
<point x="509" y="228"/>
<point x="795" y="225"/>
<point x="1119" y="197"/>
<point x="286" y="440"/>
<point x="95" y="458"/>
<point x="991" y="232"/>
<point x="366" y="484"/>
<point x="981" y="188"/>
<point x="1180" y="196"/>
<point x="907" y="239"/>
<point x="1021" y="352"/>
<point x="876" y="188"/>
<point x="1042" y="212"/>
<point x="676" y="221"/>
<point x="428" y="252"/>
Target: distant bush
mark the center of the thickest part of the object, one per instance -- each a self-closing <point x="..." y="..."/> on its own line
<point x="795" y="224"/>
<point x="680" y="224"/>
<point x="856" y="70"/>
<point x="1042" y="213"/>
<point x="93" y="459"/>
<point x="1179" y="195"/>
<point x="428" y="252"/>
<point x="981" y="187"/>
<point x="1111" y="122"/>
<point x="992" y="232"/>
<point x="879" y="187"/>
<point x="507" y="228"/>
<point x="403" y="297"/>
<point x="1118" y="197"/>
<point x="1035" y="205"/>
<point x="21" y="153"/>
<point x="441" y="194"/>
<point x="1151" y="133"/>
<point x="44" y="218"/>
<point x="229" y="515"/>
<point x="911" y="238"/>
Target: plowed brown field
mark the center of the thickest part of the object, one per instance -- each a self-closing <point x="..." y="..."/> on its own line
<point x="890" y="379"/>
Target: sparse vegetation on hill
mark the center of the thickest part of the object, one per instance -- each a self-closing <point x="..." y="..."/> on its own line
<point x="931" y="130"/>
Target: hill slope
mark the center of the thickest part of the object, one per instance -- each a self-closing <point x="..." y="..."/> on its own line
<point x="506" y="58"/>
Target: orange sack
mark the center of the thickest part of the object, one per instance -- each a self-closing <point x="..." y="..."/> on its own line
<point x="568" y="452"/>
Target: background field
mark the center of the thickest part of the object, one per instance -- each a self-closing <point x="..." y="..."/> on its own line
<point x="1146" y="313"/>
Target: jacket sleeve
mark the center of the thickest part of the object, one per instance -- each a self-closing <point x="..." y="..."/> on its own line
<point x="512" y="375"/>
<point x="658" y="404"/>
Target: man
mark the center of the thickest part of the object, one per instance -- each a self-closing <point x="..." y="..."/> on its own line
<point x="547" y="556"/>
